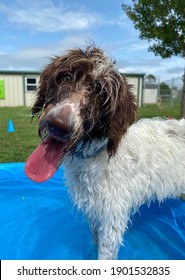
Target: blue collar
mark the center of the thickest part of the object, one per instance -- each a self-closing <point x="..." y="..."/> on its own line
<point x="91" y="148"/>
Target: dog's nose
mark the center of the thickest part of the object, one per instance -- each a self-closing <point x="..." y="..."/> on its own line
<point x="59" y="119"/>
<point x="59" y="127"/>
<point x="58" y="130"/>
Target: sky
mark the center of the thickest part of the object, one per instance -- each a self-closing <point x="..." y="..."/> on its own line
<point x="32" y="31"/>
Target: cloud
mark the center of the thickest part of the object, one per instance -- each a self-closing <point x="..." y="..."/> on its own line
<point x="163" y="69"/>
<point x="32" y="57"/>
<point x="175" y="70"/>
<point x="45" y="16"/>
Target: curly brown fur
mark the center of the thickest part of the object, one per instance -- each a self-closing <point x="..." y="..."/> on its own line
<point x="106" y="105"/>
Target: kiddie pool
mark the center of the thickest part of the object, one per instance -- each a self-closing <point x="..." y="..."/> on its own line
<point x="38" y="221"/>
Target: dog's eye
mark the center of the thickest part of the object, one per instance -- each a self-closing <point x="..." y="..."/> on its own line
<point x="68" y="77"/>
<point x="98" y="87"/>
<point x="101" y="92"/>
<point x="63" y="77"/>
<point x="102" y="95"/>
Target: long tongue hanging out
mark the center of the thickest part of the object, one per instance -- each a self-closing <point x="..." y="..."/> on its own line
<point x="43" y="162"/>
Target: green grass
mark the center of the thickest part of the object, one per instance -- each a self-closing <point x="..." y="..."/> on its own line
<point x="150" y="111"/>
<point x="17" y="146"/>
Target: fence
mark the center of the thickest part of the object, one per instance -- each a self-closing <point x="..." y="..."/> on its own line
<point x="164" y="94"/>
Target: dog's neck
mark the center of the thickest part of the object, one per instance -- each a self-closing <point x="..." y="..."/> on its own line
<point x="91" y="148"/>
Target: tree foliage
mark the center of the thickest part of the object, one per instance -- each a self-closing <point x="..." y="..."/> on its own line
<point x="164" y="89"/>
<point x="150" y="79"/>
<point x="162" y="23"/>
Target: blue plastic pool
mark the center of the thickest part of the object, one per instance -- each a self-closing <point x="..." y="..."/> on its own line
<point x="38" y="221"/>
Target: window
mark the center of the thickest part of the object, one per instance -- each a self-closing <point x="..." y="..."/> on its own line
<point x="31" y="84"/>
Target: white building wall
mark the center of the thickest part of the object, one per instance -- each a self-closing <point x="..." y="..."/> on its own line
<point x="13" y="86"/>
<point x="15" y="90"/>
<point x="137" y="87"/>
<point x="150" y="96"/>
<point x="133" y="81"/>
<point x="30" y="98"/>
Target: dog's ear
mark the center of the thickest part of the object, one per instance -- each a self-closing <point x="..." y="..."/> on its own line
<point x="123" y="116"/>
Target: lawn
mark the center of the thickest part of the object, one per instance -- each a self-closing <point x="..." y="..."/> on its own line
<point x="17" y="146"/>
<point x="150" y="111"/>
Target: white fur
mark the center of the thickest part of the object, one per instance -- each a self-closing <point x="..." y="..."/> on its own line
<point x="149" y="164"/>
<point x="59" y="107"/>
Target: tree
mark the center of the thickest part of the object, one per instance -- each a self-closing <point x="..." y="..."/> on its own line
<point x="150" y="79"/>
<point x="164" y="89"/>
<point x="162" y="23"/>
<point x="183" y="94"/>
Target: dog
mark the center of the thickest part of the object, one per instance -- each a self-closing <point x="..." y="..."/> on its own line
<point x="113" y="164"/>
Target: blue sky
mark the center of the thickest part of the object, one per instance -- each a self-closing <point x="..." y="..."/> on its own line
<point x="31" y="31"/>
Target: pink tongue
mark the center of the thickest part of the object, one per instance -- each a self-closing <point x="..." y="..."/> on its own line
<point x="43" y="162"/>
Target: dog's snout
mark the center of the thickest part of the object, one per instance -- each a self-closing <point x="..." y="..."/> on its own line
<point x="62" y="133"/>
<point x="59" y="122"/>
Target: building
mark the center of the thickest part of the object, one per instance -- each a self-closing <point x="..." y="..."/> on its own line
<point x="18" y="88"/>
<point x="136" y="80"/>
<point x="150" y="94"/>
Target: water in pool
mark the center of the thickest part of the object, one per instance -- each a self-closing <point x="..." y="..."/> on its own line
<point x="39" y="221"/>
